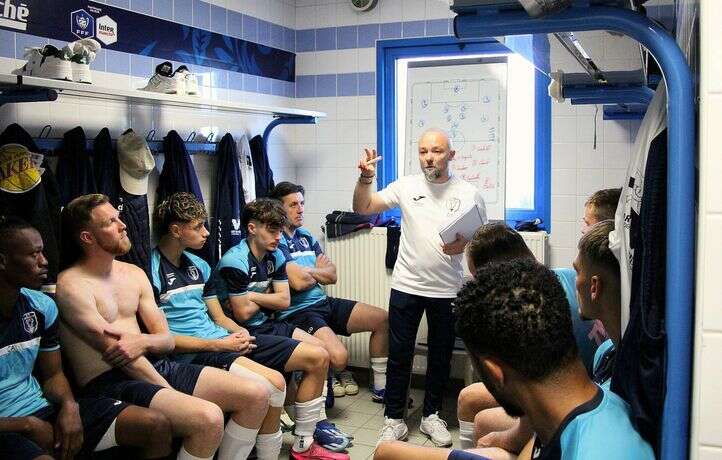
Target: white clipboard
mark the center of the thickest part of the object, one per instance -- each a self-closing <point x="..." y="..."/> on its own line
<point x="466" y="224"/>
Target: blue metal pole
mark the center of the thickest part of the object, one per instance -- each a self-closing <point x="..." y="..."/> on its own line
<point x="300" y="120"/>
<point x="680" y="181"/>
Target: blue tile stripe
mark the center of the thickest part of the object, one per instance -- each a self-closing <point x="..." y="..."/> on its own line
<point x="332" y="85"/>
<point x="365" y="35"/>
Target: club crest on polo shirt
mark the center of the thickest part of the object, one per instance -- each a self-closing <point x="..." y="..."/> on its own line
<point x="453" y="205"/>
<point x="304" y="243"/>
<point x="269" y="266"/>
<point x="192" y="272"/>
<point x="30" y="322"/>
<point x="170" y="278"/>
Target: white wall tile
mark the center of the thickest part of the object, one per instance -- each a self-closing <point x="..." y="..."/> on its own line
<point x="589" y="181"/>
<point x="367" y="131"/>
<point x="367" y="107"/>
<point x="438" y="9"/>
<point x="564" y="181"/>
<point x="346" y="16"/>
<point x="348" y="131"/>
<point x="391" y="11"/>
<point x="564" y="208"/>
<point x="587" y="129"/>
<point x="711" y="374"/>
<point x="711" y="24"/>
<point x="326" y="62"/>
<point x="306" y="64"/>
<point x="367" y="59"/>
<point x="713" y="160"/>
<point x="413" y="10"/>
<point x="564" y="155"/>
<point x="326" y="15"/>
<point x="326" y="132"/>
<point x="617" y="131"/>
<point x="564" y="129"/>
<point x="711" y="229"/>
<point x="614" y="178"/>
<point x="616" y="154"/>
<point x="709" y="453"/>
<point x="347" y="61"/>
<point x="347" y="108"/>
<point x="305" y="17"/>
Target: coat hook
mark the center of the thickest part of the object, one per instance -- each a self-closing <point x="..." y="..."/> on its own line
<point x="43" y="133"/>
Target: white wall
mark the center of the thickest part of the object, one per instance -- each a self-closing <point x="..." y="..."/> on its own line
<point x="326" y="155"/>
<point x="706" y="440"/>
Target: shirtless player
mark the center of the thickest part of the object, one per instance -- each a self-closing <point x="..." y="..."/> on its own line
<point x="100" y="299"/>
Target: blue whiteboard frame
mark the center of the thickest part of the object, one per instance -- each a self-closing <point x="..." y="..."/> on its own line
<point x="389" y="51"/>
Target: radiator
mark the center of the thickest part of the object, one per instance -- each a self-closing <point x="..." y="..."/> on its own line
<point x="537" y="242"/>
<point x="362" y="276"/>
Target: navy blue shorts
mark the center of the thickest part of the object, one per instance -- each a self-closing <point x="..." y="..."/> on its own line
<point x="118" y="385"/>
<point x="96" y="414"/>
<point x="331" y="312"/>
<point x="271" y="351"/>
<point x="280" y="328"/>
<point x="464" y="455"/>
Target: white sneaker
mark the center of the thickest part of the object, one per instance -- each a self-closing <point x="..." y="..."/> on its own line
<point x="83" y="53"/>
<point x="190" y="81"/>
<point x="47" y="62"/>
<point x="435" y="428"/>
<point x="350" y="387"/>
<point x="393" y="430"/>
<point x="162" y="81"/>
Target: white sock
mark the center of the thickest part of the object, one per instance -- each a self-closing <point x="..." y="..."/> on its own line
<point x="466" y="435"/>
<point x="237" y="442"/>
<point x="268" y="446"/>
<point x="307" y="415"/>
<point x="184" y="455"/>
<point x="378" y="366"/>
<point x="302" y="443"/>
<point x="324" y="393"/>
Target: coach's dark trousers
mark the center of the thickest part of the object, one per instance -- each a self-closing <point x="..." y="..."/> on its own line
<point x="405" y="312"/>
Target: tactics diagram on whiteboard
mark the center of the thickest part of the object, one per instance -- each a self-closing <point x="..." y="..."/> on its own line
<point x="470" y="111"/>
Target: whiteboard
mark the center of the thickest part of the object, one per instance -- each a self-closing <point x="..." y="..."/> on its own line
<point x="468" y="101"/>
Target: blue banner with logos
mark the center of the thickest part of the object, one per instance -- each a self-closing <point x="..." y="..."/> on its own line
<point x="122" y="30"/>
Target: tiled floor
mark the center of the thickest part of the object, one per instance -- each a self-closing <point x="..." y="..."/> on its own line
<point x="362" y="418"/>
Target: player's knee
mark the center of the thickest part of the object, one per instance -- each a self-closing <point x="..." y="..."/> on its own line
<point x="276" y="389"/>
<point x="157" y="428"/>
<point x="276" y="379"/>
<point x="339" y="358"/>
<point x="258" y="397"/>
<point x="317" y="359"/>
<point x="467" y="404"/>
<point x="381" y="323"/>
<point x="207" y="418"/>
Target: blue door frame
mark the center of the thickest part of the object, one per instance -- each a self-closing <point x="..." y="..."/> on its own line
<point x="389" y="51"/>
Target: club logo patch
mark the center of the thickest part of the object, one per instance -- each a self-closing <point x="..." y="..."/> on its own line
<point x="269" y="266"/>
<point x="304" y="243"/>
<point x="453" y="205"/>
<point x="192" y="272"/>
<point x="30" y="322"/>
